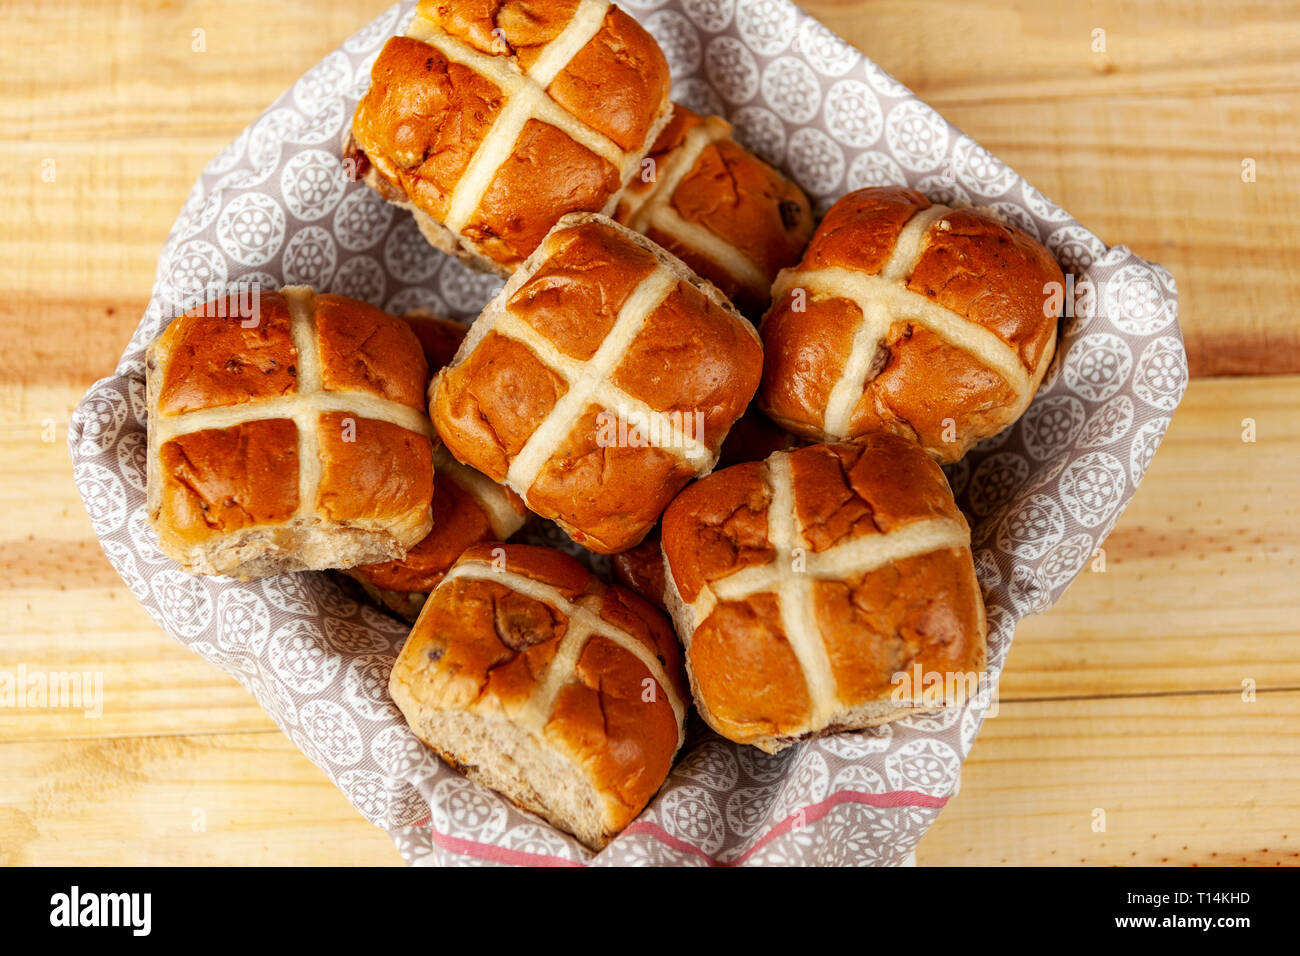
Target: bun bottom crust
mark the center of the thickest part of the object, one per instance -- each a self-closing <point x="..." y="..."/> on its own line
<point x="868" y="715"/>
<point x="300" y="544"/>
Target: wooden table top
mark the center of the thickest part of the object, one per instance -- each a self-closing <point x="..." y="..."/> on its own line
<point x="1127" y="696"/>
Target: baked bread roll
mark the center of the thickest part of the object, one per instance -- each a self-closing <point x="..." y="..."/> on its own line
<point x="752" y="438"/>
<point x="913" y="318"/>
<point x="291" y="439"/>
<point x="439" y="337"/>
<point x="719" y="208"/>
<point x="468" y="508"/>
<point x="641" y="569"/>
<point x="531" y="677"/>
<point x="600" y="381"/>
<point x="492" y="120"/>
<point x="819" y="590"/>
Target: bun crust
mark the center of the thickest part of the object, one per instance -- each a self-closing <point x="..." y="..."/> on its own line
<point x="601" y="380"/>
<point x="912" y="318"/>
<point x="293" y="438"/>
<point x="492" y="120"/>
<point x="439" y="337"/>
<point x="805" y="585"/>
<point x="641" y="569"/>
<point x="752" y="438"/>
<point x="534" y="678"/>
<point x="719" y="208"/>
<point x="468" y="508"/>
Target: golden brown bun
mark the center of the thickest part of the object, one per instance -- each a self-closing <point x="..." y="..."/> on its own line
<point x="439" y="337"/>
<point x="752" y="438"/>
<point x="804" y="585"/>
<point x="491" y="120"/>
<point x="598" y="332"/>
<point x="291" y="439"/>
<point x="468" y="508"/>
<point x="719" y="208"/>
<point x="911" y="318"/>
<point x="532" y="677"/>
<point x="641" y="569"/>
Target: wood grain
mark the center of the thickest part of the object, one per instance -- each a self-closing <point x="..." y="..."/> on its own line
<point x="1198" y="589"/>
<point x="1182" y="780"/>
<point x="1026" y="52"/>
<point x="1126" y="696"/>
<point x="1205" y="780"/>
<point x="250" y="799"/>
<point x="1144" y="144"/>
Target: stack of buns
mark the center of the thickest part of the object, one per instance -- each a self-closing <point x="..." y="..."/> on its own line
<point x="786" y="542"/>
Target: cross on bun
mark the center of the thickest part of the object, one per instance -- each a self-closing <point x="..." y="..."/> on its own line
<point x="719" y="208"/>
<point x="491" y="120"/>
<point x="468" y="508"/>
<point x="752" y="438"/>
<point x="909" y="317"/>
<point x="601" y="380"/>
<point x="532" y="677"/>
<point x="812" y="588"/>
<point x="290" y="438"/>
